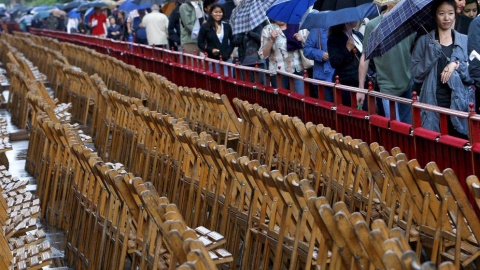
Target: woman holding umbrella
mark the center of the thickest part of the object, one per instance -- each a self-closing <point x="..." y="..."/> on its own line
<point x="439" y="64"/>
<point x="281" y="44"/>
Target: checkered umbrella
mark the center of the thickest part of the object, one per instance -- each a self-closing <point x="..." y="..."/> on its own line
<point x="384" y="2"/>
<point x="405" y="18"/>
<point x="249" y="14"/>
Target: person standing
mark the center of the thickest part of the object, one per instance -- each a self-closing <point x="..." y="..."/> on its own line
<point x="121" y="21"/>
<point x="114" y="30"/>
<point x="439" y="63"/>
<point x="139" y="30"/>
<point x="156" y="25"/>
<point x="344" y="50"/>
<point x="281" y="44"/>
<point x="98" y="23"/>
<point x="248" y="44"/>
<point x="471" y="9"/>
<point x="215" y="36"/>
<point x="474" y="63"/>
<point x="316" y="49"/>
<point x="462" y="22"/>
<point x="51" y="23"/>
<point x="190" y="14"/>
<point x="174" y="28"/>
<point x="228" y="6"/>
<point x="400" y="84"/>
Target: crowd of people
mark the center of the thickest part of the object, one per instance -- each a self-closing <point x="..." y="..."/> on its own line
<point x="435" y="63"/>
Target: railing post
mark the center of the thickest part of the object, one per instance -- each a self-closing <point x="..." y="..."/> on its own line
<point x="237" y="71"/>
<point x="306" y="85"/>
<point x="337" y="94"/>
<point x="279" y="79"/>
<point x="372" y="108"/>
<point x="220" y="66"/>
<point x="256" y="74"/>
<point x="473" y="126"/>
<point x="417" y="120"/>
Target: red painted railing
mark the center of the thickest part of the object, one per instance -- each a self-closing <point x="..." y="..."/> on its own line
<point x="184" y="69"/>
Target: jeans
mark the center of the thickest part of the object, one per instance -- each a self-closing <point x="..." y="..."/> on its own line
<point x="297" y="84"/>
<point x="403" y="111"/>
<point x="225" y="69"/>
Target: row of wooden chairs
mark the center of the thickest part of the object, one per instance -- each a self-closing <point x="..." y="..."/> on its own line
<point x="195" y="170"/>
<point x="32" y="50"/>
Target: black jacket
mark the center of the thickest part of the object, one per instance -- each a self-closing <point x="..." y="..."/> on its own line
<point x="462" y="24"/>
<point x="174" y="25"/>
<point x="343" y="61"/>
<point x="248" y="45"/>
<point x="208" y="40"/>
<point x="229" y="6"/>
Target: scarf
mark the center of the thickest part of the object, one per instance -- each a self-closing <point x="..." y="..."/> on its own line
<point x="292" y="43"/>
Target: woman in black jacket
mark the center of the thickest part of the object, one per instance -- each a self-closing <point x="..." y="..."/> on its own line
<point x="345" y="49"/>
<point x="215" y="36"/>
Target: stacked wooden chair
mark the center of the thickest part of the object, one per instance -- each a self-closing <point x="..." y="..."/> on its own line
<point x="22" y="244"/>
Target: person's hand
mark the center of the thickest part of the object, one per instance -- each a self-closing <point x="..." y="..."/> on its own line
<point x="447" y="72"/>
<point x="215" y="51"/>
<point x="299" y="37"/>
<point x="274" y="34"/>
<point x="360" y="98"/>
<point x="231" y="56"/>
<point x="325" y="56"/>
<point x="350" y="44"/>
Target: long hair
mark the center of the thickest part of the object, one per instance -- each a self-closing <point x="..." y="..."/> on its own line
<point x="336" y="29"/>
<point x="210" y="21"/>
<point x="468" y="2"/>
<point x="437" y="3"/>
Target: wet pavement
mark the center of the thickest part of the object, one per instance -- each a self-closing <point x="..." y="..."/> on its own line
<point x="17" y="158"/>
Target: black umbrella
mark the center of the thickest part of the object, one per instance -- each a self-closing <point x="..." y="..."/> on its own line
<point x="95" y="4"/>
<point x="19" y="9"/>
<point x="324" y="5"/>
<point x="148" y="2"/>
<point x="73" y="4"/>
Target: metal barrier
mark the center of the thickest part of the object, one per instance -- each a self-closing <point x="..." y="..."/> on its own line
<point x="193" y="71"/>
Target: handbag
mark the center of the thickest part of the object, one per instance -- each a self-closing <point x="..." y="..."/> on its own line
<point x="307" y="63"/>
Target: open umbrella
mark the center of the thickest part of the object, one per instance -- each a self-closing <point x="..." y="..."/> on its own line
<point x="148" y="2"/>
<point x="382" y="3"/>
<point x="249" y="14"/>
<point x="58" y="12"/>
<point x="289" y="11"/>
<point x="74" y="14"/>
<point x="129" y="6"/>
<point x="168" y="8"/>
<point x="41" y="15"/>
<point x="73" y="4"/>
<point x="326" y="19"/>
<point x="87" y="14"/>
<point x="87" y="5"/>
<point x="324" y="5"/>
<point x="404" y="19"/>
